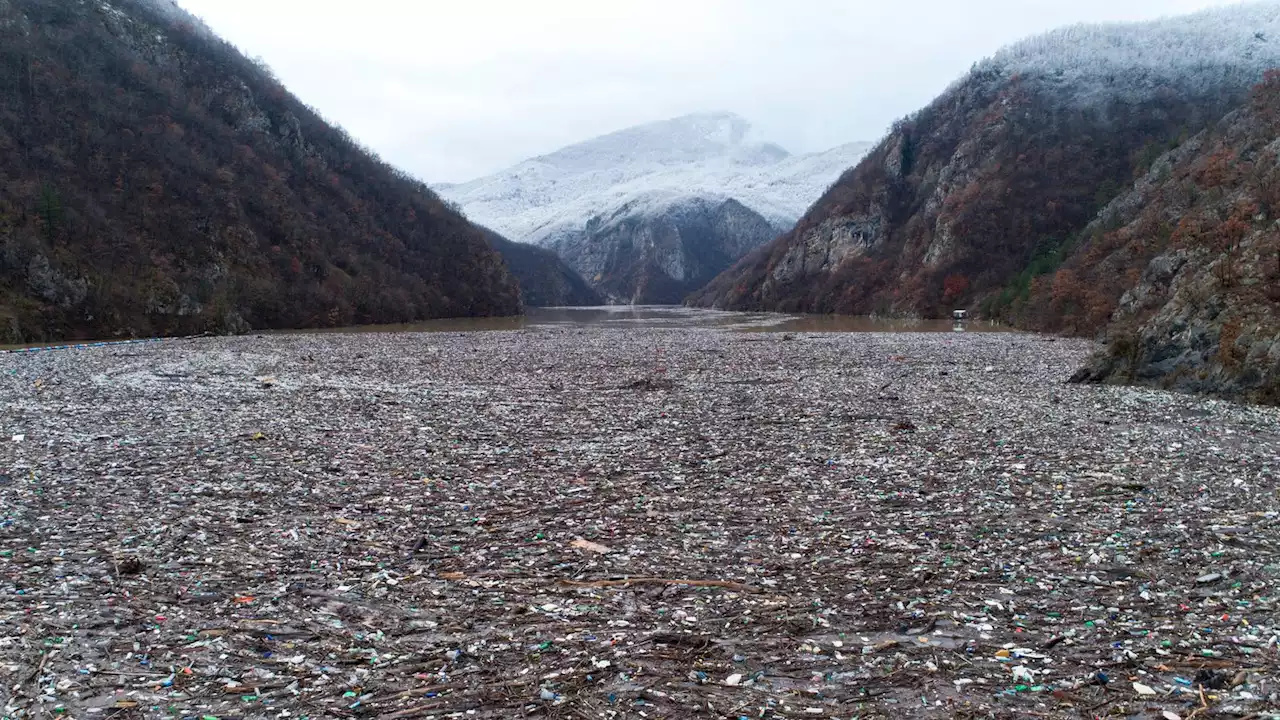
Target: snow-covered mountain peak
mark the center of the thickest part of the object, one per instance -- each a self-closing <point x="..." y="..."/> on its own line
<point x="652" y="166"/>
<point x="691" y="138"/>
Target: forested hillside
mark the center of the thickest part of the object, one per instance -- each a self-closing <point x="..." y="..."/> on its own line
<point x="1184" y="270"/>
<point x="545" y="280"/>
<point x="155" y="181"/>
<point x="990" y="186"/>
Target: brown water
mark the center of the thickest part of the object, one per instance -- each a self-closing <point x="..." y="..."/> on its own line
<point x="863" y="323"/>
<point x="675" y="316"/>
<point x="649" y="316"/>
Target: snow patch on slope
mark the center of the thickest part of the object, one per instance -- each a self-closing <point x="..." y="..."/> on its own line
<point x="169" y="12"/>
<point x="651" y="169"/>
<point x="1197" y="52"/>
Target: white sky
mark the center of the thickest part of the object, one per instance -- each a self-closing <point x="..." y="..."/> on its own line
<point x="454" y="89"/>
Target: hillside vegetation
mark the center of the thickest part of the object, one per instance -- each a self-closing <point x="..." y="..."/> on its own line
<point x="1185" y="267"/>
<point x="545" y="280"/>
<point x="967" y="200"/>
<point x="1082" y="182"/>
<point x="155" y="181"/>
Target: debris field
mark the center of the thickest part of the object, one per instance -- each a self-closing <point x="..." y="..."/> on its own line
<point x="586" y="522"/>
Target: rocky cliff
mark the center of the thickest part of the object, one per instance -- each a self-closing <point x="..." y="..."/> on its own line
<point x="155" y="181"/>
<point x="656" y="250"/>
<point x="1186" y="266"/>
<point x="545" y="279"/>
<point x="990" y="186"/>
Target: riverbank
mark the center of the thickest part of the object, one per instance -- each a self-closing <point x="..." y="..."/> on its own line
<point x="593" y="522"/>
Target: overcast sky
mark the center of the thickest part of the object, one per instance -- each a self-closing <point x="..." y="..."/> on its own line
<point x="455" y="89"/>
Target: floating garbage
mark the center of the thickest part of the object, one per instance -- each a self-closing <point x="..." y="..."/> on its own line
<point x="510" y="524"/>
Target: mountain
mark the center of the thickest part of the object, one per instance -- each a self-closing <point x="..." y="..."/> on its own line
<point x="1185" y="267"/>
<point x="545" y="280"/>
<point x="657" y="248"/>
<point x="155" y="181"/>
<point x="965" y="203"/>
<point x="650" y="213"/>
<point x="709" y="155"/>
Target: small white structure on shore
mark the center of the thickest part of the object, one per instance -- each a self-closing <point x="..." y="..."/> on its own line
<point x="959" y="314"/>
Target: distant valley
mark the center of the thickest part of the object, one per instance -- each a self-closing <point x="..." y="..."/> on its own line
<point x="651" y="213"/>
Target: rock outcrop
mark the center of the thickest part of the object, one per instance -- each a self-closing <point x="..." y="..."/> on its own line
<point x="990" y="186"/>
<point x="656" y="251"/>
<point x="1188" y="262"/>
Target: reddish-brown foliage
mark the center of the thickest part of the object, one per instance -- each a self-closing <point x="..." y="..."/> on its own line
<point x="1217" y="169"/>
<point x="954" y="287"/>
<point x="1018" y="175"/>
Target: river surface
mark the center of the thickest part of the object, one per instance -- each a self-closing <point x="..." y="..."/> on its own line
<point x="676" y="316"/>
<point x="634" y="316"/>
